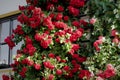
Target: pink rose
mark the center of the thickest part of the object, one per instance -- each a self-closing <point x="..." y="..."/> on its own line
<point x="92" y="21"/>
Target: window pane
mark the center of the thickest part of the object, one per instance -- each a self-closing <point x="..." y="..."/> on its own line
<point x="4" y="30"/>
<point x="4" y="53"/>
<point x="14" y="50"/>
<point x="15" y="23"/>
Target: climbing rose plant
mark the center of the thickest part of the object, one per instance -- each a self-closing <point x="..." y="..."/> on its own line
<point x="67" y="39"/>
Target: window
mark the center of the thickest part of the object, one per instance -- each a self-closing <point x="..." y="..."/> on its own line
<point x="6" y="26"/>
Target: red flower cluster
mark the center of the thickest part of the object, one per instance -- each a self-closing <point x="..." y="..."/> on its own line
<point x="84" y="73"/>
<point x="18" y="30"/>
<point x="109" y="72"/>
<point x="44" y="39"/>
<point x="97" y="43"/>
<point x="77" y="3"/>
<point x="5" y="77"/>
<point x="9" y="41"/>
<point x="23" y="71"/>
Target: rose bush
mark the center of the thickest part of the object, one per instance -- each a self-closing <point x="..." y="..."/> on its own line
<point x="67" y="39"/>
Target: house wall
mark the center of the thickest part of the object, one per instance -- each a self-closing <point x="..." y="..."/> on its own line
<point x="7" y="6"/>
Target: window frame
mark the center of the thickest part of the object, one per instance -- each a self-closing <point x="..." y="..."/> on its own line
<point x="9" y="17"/>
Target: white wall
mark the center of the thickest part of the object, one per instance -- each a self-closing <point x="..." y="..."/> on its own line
<point x="10" y="5"/>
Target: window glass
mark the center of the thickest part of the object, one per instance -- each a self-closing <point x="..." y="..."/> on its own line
<point x="5" y="31"/>
<point x="4" y="54"/>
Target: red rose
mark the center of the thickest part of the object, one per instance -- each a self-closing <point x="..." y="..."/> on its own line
<point x="110" y="71"/>
<point x="73" y="62"/>
<point x="75" y="47"/>
<point x="44" y="44"/>
<point x="51" y="55"/>
<point x="5" y="77"/>
<point x="66" y="18"/>
<point x="23" y="71"/>
<point x="50" y="6"/>
<point x="81" y="59"/>
<point x="75" y="56"/>
<point x="73" y="38"/>
<point x="38" y="37"/>
<point x="22" y="18"/>
<point x="114" y="32"/>
<point x="47" y="22"/>
<point x="31" y="49"/>
<point x="60" y="8"/>
<point x="58" y="58"/>
<point x="36" y="11"/>
<point x="73" y="11"/>
<point x="18" y="30"/>
<point x="59" y="72"/>
<point x="77" y="3"/>
<point x="66" y="68"/>
<point x="115" y="40"/>
<point x="21" y="8"/>
<point x="34" y="22"/>
<point x="59" y="16"/>
<point x="60" y="25"/>
<point x="37" y="66"/>
<point x="28" y="40"/>
<point x="83" y="22"/>
<point x="76" y="24"/>
<point x="84" y="73"/>
<point x="9" y="41"/>
<point x="30" y="62"/>
<point x="97" y="43"/>
<point x="52" y="15"/>
<point x="51" y="77"/>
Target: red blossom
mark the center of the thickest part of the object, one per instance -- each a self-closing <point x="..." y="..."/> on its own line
<point x="58" y="58"/>
<point x="22" y="18"/>
<point x="50" y="6"/>
<point x="30" y="62"/>
<point x="75" y="47"/>
<point x="34" y="22"/>
<point x="37" y="66"/>
<point x="28" y="40"/>
<point x="66" y="68"/>
<point x="66" y="18"/>
<point x="77" y="3"/>
<point x="38" y="37"/>
<point x="109" y="72"/>
<point x="18" y="30"/>
<point x="60" y="25"/>
<point x="73" y="11"/>
<point x="83" y="22"/>
<point x="59" y="72"/>
<point x="44" y="44"/>
<point x="114" y="32"/>
<point x="47" y="22"/>
<point x="59" y="16"/>
<point x="23" y="71"/>
<point x="84" y="73"/>
<point x="9" y="41"/>
<point x="22" y="8"/>
<point x="52" y="15"/>
<point x="51" y="77"/>
<point x="116" y="40"/>
<point x="51" y="55"/>
<point x="60" y="8"/>
<point x="31" y="49"/>
<point x="5" y="77"/>
<point x="76" y="24"/>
